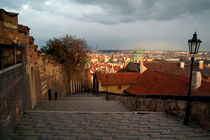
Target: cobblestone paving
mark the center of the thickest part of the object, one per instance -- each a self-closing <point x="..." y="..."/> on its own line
<point x="87" y="98"/>
<point x="103" y="125"/>
<point x="83" y="102"/>
<point x="83" y="97"/>
<point x="96" y="105"/>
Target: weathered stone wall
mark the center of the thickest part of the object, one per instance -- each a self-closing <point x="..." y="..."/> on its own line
<point x="12" y="97"/>
<point x="10" y="31"/>
<point x="42" y="73"/>
<point x="200" y="111"/>
<point x="12" y="19"/>
<point x="52" y="77"/>
<point x="23" y="85"/>
<point x="33" y="74"/>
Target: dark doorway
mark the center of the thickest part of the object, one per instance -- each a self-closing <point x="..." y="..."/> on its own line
<point x="56" y="95"/>
<point x="49" y="94"/>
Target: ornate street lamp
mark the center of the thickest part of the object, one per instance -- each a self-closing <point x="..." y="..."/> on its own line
<point x="194" y="45"/>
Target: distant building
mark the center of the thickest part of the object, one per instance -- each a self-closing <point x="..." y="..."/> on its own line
<point x="137" y="56"/>
<point x="115" y="82"/>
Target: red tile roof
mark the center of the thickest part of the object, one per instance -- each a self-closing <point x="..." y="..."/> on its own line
<point x="116" y="68"/>
<point x="158" y="83"/>
<point x="125" y="78"/>
<point x="167" y="67"/>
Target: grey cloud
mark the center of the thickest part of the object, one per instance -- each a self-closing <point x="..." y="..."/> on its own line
<point x="164" y="20"/>
<point x="134" y="10"/>
<point x="11" y="4"/>
<point x="119" y="11"/>
<point x="17" y="4"/>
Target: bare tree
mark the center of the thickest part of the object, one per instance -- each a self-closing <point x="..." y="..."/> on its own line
<point x="69" y="51"/>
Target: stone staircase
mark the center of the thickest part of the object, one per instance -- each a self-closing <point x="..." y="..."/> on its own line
<point x="82" y="103"/>
<point x="85" y="116"/>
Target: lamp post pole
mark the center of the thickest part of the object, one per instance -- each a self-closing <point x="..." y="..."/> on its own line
<point x="188" y="106"/>
<point x="194" y="45"/>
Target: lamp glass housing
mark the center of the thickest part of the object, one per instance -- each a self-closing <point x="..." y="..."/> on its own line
<point x="194" y="44"/>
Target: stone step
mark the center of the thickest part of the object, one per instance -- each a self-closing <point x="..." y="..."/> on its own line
<point x="65" y="125"/>
<point x="82" y="95"/>
<point x="88" y="105"/>
<point x="82" y="98"/>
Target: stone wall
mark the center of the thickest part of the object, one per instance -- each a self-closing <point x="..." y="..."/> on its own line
<point x="13" y="98"/>
<point x="200" y="111"/>
<point x="23" y="85"/>
<point x="52" y="77"/>
<point x="33" y="73"/>
<point x="42" y="73"/>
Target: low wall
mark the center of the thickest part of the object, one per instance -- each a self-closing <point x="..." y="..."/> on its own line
<point x="12" y="97"/>
<point x="200" y="110"/>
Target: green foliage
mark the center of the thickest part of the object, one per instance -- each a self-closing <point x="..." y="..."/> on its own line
<point x="68" y="50"/>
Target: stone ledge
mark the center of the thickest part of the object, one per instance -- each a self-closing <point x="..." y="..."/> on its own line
<point x="11" y="67"/>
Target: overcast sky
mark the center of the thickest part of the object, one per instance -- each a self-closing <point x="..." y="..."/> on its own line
<point x="117" y="24"/>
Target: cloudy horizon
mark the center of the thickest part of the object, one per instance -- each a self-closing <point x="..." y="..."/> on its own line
<point x="117" y="24"/>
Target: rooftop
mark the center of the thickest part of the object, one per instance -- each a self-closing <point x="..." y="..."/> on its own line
<point x="169" y="68"/>
<point x="159" y="83"/>
<point x="125" y="78"/>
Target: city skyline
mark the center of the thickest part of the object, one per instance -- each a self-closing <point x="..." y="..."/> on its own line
<point x="120" y="24"/>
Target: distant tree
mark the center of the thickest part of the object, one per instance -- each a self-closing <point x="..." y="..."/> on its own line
<point x="70" y="51"/>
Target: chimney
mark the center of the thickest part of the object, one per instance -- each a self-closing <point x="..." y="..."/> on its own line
<point x="182" y="65"/>
<point x="200" y="64"/>
<point x="196" y="79"/>
<point x="142" y="68"/>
